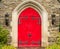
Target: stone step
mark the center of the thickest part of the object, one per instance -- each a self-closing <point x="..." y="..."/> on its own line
<point x="31" y="48"/>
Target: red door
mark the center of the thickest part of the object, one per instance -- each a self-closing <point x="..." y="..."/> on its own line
<point x="29" y="28"/>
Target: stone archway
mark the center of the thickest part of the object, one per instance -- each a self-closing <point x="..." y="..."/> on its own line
<point x="38" y="7"/>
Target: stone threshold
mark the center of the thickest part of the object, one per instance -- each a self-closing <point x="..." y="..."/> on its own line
<point x="31" y="48"/>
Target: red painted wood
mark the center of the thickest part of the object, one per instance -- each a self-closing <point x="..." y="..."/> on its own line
<point x="29" y="28"/>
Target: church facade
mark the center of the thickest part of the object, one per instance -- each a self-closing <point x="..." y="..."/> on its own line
<point x="31" y="22"/>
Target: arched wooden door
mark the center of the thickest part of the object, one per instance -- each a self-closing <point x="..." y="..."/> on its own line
<point x="29" y="28"/>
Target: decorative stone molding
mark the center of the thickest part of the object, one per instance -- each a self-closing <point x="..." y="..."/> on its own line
<point x="44" y="16"/>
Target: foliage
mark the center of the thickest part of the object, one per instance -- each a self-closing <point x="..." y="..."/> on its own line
<point x="54" y="46"/>
<point x="0" y="46"/>
<point x="8" y="47"/>
<point x="3" y="35"/>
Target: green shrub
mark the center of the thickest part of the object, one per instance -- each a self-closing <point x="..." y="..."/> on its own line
<point x="3" y="35"/>
<point x="54" y="46"/>
<point x="8" y="47"/>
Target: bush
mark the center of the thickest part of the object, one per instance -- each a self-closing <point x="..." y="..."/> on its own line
<point x="8" y="47"/>
<point x="3" y="35"/>
<point x="4" y="38"/>
<point x="54" y="46"/>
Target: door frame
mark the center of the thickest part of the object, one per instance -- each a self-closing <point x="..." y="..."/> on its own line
<point x="44" y="18"/>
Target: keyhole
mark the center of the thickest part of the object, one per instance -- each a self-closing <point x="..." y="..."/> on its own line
<point x="29" y="35"/>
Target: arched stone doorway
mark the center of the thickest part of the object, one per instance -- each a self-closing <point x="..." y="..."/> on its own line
<point x="44" y="18"/>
